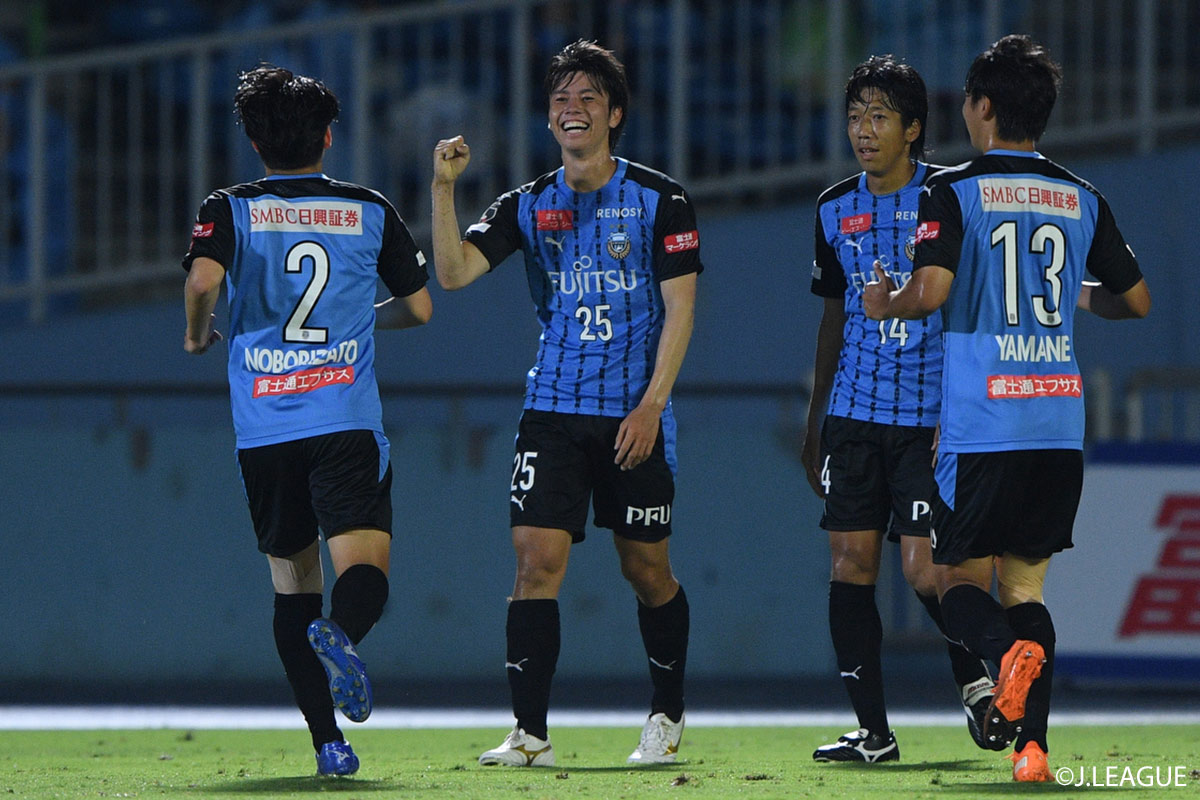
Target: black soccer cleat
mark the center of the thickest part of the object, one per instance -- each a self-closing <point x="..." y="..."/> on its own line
<point x="860" y="745"/>
<point x="977" y="698"/>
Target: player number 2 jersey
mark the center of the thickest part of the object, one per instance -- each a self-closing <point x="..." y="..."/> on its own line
<point x="594" y="262"/>
<point x="302" y="257"/>
<point x="1019" y="232"/>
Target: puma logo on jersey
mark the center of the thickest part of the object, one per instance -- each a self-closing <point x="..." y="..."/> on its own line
<point x="668" y="667"/>
<point x="679" y="197"/>
<point x="516" y="666"/>
<point x="857" y="246"/>
<point x="852" y="673"/>
<point x="556" y="242"/>
<point x="512" y="498"/>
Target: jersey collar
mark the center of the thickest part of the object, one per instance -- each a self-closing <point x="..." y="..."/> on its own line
<point x="1018" y="153"/>
<point x="296" y="177"/>
<point x="617" y="176"/>
<point x="918" y="177"/>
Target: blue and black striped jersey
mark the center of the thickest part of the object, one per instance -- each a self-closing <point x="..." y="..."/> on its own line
<point x="888" y="372"/>
<point x="1019" y="232"/>
<point x="594" y="262"/>
<point x="302" y="257"/>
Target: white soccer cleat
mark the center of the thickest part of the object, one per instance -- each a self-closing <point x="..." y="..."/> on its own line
<point x="519" y="749"/>
<point x="659" y="742"/>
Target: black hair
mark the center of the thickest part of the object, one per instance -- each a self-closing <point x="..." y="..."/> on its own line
<point x="285" y="114"/>
<point x="903" y="91"/>
<point x="602" y="67"/>
<point x="1021" y="80"/>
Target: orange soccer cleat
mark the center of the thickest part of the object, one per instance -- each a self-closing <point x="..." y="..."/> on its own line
<point x="1029" y="765"/>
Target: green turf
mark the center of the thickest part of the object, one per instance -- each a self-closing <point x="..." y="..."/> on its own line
<point x="720" y="763"/>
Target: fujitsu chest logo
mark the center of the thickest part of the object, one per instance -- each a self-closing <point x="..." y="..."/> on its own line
<point x="582" y="279"/>
<point x="1167" y="601"/>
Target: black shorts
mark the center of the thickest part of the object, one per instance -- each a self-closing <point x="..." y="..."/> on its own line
<point x="562" y="459"/>
<point x="339" y="481"/>
<point x="1013" y="501"/>
<point x="877" y="477"/>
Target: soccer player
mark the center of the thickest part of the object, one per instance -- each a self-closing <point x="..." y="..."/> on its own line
<point x="1003" y="243"/>
<point x="870" y="456"/>
<point x="611" y="256"/>
<point x="301" y="255"/>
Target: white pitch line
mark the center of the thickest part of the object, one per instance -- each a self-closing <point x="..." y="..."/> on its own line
<point x="210" y="717"/>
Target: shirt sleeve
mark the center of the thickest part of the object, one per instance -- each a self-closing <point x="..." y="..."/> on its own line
<point x="676" y="237"/>
<point x="213" y="235"/>
<point x="828" y="276"/>
<point x="1110" y="259"/>
<point x="939" y="227"/>
<point x="401" y="263"/>
<point x="498" y="232"/>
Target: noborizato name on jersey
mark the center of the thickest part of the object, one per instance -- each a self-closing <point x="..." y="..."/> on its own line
<point x="270" y="360"/>
<point x="602" y="280"/>
<point x="1034" y="348"/>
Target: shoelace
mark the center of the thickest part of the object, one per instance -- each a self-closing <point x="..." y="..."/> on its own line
<point x="654" y="735"/>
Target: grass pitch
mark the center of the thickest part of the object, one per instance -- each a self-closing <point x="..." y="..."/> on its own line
<point x="719" y="762"/>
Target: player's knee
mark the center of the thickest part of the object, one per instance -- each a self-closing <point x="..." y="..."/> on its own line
<point x="297" y="575"/>
<point x="538" y="573"/>
<point x="1020" y="580"/>
<point x="850" y="564"/>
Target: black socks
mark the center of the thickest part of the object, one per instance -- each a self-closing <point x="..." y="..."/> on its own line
<point x="665" y="636"/>
<point x="857" y="634"/>
<point x="533" y="636"/>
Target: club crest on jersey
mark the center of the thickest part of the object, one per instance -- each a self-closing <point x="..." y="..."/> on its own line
<point x="555" y="219"/>
<point x="910" y="246"/>
<point x="857" y="223"/>
<point x="618" y="244"/>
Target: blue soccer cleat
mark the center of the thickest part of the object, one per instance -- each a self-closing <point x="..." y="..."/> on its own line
<point x="348" y="683"/>
<point x="336" y="758"/>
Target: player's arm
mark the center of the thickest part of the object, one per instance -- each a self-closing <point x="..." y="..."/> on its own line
<point x="639" y="430"/>
<point x="830" y="336"/>
<point x="404" y="312"/>
<point x="1131" y="304"/>
<point x="924" y="294"/>
<point x="456" y="262"/>
<point x="200" y="295"/>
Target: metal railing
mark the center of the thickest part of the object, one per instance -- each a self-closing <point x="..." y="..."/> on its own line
<point x="108" y="154"/>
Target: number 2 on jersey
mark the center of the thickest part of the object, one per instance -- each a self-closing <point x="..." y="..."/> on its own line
<point x="295" y="330"/>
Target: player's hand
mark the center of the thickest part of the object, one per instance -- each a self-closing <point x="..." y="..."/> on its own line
<point x="197" y="348"/>
<point x="450" y="158"/>
<point x="810" y="458"/>
<point x="876" y="294"/>
<point x="636" y="436"/>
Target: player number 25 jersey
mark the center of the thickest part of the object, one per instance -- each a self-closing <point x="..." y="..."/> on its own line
<point x="594" y="262"/>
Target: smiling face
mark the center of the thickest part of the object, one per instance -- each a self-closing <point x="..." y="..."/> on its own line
<point x="880" y="139"/>
<point x="580" y="117"/>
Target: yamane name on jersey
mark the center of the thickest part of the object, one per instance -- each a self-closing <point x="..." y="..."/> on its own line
<point x="594" y="261"/>
<point x="302" y="255"/>
<point x="1019" y="232"/>
<point x="888" y="372"/>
